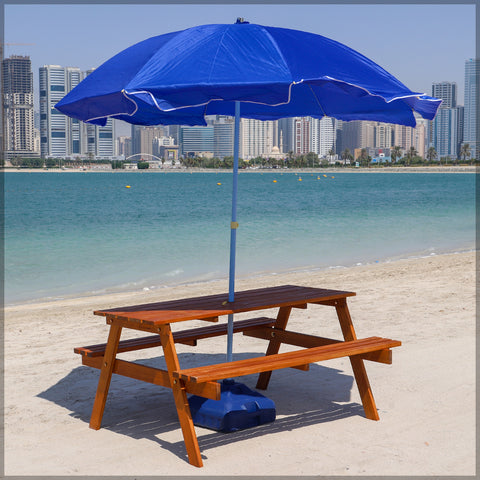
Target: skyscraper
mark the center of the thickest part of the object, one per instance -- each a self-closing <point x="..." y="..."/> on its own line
<point x="303" y="133"/>
<point x="62" y="136"/>
<point x="447" y="92"/>
<point x="407" y="137"/>
<point x="59" y="134"/>
<point x="18" y="121"/>
<point x="322" y="135"/>
<point x="143" y="138"/>
<point x="357" y="134"/>
<point x="286" y="127"/>
<point x="444" y="127"/>
<point x="257" y="137"/>
<point x="471" y="124"/>
<point x="223" y="136"/>
<point x="196" y="140"/>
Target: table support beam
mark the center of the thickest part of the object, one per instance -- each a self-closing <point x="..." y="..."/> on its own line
<point x="274" y="345"/>
<point x="156" y="376"/>
<point x="180" y="397"/>
<point x="358" y="366"/>
<point x="105" y="376"/>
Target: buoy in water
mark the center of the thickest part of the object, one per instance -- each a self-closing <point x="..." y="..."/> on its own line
<point x="274" y="181"/>
<point x="325" y="176"/>
<point x="300" y="179"/>
<point x="127" y="186"/>
<point x="218" y="183"/>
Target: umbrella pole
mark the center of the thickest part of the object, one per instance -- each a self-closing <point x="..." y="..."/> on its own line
<point x="233" y="230"/>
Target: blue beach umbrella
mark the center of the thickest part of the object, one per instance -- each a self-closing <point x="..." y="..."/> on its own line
<point x="241" y="70"/>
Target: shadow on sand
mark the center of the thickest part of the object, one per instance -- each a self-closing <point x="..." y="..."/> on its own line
<point x="144" y="411"/>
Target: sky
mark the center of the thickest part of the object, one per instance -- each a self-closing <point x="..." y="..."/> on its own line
<point x="418" y="44"/>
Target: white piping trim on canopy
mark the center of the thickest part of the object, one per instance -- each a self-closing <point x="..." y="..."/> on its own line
<point x="118" y="113"/>
<point x="126" y="94"/>
<point x="214" y="100"/>
<point x="376" y="95"/>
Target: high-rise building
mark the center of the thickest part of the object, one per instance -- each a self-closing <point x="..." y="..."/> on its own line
<point x="303" y="134"/>
<point x="124" y="146"/>
<point x="322" y="135"/>
<point x="286" y="128"/>
<point x="443" y="130"/>
<point x="62" y="136"/>
<point x="143" y="138"/>
<point x="407" y="137"/>
<point x="257" y="137"/>
<point x="447" y="92"/>
<point x="18" y="121"/>
<point x="101" y="141"/>
<point x="223" y="127"/>
<point x="357" y="134"/>
<point x="471" y="125"/>
<point x="383" y="134"/>
<point x="196" y="140"/>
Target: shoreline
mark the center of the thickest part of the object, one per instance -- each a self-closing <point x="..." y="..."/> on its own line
<point x="219" y="285"/>
<point x="296" y="271"/>
<point x="427" y="303"/>
<point x="420" y="169"/>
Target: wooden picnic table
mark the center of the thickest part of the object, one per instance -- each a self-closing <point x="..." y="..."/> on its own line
<point x="156" y="318"/>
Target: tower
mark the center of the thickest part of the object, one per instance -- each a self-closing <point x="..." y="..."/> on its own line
<point x="60" y="135"/>
<point x="471" y="124"/>
<point x="18" y="122"/>
<point x="444" y="127"/>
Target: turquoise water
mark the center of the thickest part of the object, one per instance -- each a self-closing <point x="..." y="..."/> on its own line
<point x="78" y="233"/>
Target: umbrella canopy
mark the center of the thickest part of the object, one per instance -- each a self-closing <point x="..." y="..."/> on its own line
<point x="255" y="71"/>
<point x="180" y="77"/>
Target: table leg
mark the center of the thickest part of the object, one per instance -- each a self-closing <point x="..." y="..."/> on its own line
<point x="274" y="345"/>
<point x="180" y="397"/>
<point x="105" y="376"/>
<point x="358" y="366"/>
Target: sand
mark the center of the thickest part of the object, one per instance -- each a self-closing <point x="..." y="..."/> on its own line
<point x="425" y="399"/>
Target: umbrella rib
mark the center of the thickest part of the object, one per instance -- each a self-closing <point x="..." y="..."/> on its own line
<point x="216" y="54"/>
<point x="317" y="100"/>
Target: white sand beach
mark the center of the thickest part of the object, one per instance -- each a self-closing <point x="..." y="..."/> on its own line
<point x="425" y="399"/>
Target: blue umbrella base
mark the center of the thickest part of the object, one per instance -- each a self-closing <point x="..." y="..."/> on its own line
<point x="238" y="408"/>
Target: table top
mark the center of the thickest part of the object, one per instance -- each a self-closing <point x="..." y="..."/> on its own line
<point x="211" y="306"/>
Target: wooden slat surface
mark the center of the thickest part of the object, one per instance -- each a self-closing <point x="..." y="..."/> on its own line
<point x="183" y="336"/>
<point x="215" y="305"/>
<point x="284" y="360"/>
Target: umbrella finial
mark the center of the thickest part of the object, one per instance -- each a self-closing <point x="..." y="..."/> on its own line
<point x="241" y="20"/>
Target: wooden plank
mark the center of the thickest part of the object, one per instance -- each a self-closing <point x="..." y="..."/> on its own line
<point x="188" y="337"/>
<point x="358" y="366"/>
<point x="380" y="356"/>
<point x="290" y="338"/>
<point x="105" y="377"/>
<point x="215" y="305"/>
<point x="274" y="345"/>
<point x="309" y="341"/>
<point x="180" y="397"/>
<point x="285" y="360"/>
<point x="156" y="376"/>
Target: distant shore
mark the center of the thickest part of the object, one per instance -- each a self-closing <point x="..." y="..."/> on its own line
<point x="421" y="169"/>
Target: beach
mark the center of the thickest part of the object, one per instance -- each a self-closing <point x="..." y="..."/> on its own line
<point x="425" y="399"/>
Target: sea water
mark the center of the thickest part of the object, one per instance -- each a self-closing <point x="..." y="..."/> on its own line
<point x="89" y="232"/>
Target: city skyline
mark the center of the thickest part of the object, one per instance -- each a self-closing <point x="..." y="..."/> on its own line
<point x="62" y="136"/>
<point x="409" y="41"/>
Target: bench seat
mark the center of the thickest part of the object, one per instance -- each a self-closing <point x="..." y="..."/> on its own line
<point x="284" y="360"/>
<point x="188" y="337"/>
